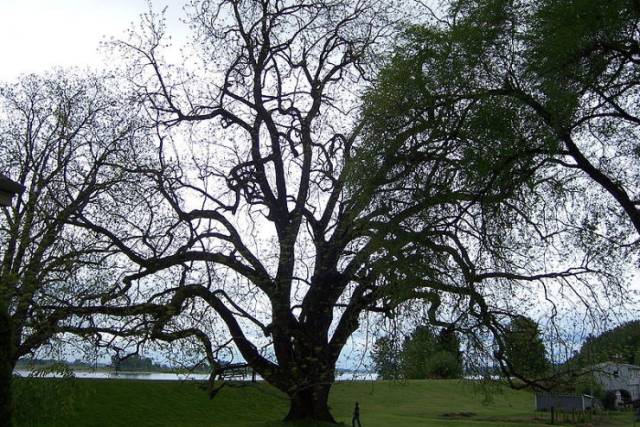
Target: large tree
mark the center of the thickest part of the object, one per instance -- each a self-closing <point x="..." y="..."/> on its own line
<point x="277" y="207"/>
<point x="460" y="78"/>
<point x="59" y="135"/>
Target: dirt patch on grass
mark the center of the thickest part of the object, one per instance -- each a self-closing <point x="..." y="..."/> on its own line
<point x="458" y="414"/>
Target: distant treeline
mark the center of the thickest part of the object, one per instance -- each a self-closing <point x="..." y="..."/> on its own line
<point x="620" y="344"/>
<point x="33" y="363"/>
<point x="132" y="363"/>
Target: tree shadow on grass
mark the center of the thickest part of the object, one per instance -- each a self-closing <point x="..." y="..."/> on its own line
<point x="302" y="424"/>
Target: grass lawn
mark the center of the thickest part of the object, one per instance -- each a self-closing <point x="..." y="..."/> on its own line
<point x="137" y="403"/>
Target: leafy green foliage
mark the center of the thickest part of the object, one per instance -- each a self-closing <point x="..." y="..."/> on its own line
<point x="385" y="356"/>
<point x="422" y="355"/>
<point x="620" y="344"/>
<point x="586" y="384"/>
<point x="524" y="348"/>
<point x="417" y="352"/>
<point x="443" y="365"/>
<point x="534" y="104"/>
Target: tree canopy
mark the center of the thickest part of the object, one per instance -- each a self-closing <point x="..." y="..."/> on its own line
<point x="556" y="86"/>
<point x="277" y="206"/>
<point x="292" y="180"/>
<point x="386" y="355"/>
<point x="530" y="117"/>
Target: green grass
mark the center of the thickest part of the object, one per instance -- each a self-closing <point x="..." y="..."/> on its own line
<point x="136" y="403"/>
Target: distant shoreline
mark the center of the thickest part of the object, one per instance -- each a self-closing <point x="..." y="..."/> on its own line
<point x="173" y="376"/>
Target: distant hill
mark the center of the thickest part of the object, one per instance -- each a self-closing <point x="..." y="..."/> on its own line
<point x="620" y="344"/>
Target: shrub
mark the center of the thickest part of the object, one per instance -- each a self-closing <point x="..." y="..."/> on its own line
<point x="444" y="364"/>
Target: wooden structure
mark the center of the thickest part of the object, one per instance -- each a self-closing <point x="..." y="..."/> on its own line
<point x="563" y="402"/>
<point x="618" y="376"/>
<point x="237" y="371"/>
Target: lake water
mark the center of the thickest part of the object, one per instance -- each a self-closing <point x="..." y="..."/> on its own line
<point x="157" y="376"/>
<point x="161" y="376"/>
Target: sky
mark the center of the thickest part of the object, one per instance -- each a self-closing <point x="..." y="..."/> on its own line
<point x="37" y="35"/>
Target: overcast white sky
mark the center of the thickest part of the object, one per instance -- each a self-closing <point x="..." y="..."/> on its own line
<point x="36" y="35"/>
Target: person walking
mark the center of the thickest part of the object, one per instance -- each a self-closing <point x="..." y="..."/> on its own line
<point x="356" y="416"/>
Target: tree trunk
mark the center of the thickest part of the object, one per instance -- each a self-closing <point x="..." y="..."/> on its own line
<point x="311" y="404"/>
<point x="7" y="364"/>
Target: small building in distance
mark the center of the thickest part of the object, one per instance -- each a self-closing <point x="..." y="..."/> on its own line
<point x="618" y="376"/>
<point x="563" y="402"/>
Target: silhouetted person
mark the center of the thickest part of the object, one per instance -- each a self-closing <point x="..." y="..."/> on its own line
<point x="356" y="416"/>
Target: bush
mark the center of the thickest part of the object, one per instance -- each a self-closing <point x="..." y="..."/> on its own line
<point x="444" y="364"/>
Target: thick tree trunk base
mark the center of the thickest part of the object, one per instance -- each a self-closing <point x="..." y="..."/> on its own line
<point x="6" y="401"/>
<point x="311" y="405"/>
<point x="6" y="370"/>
